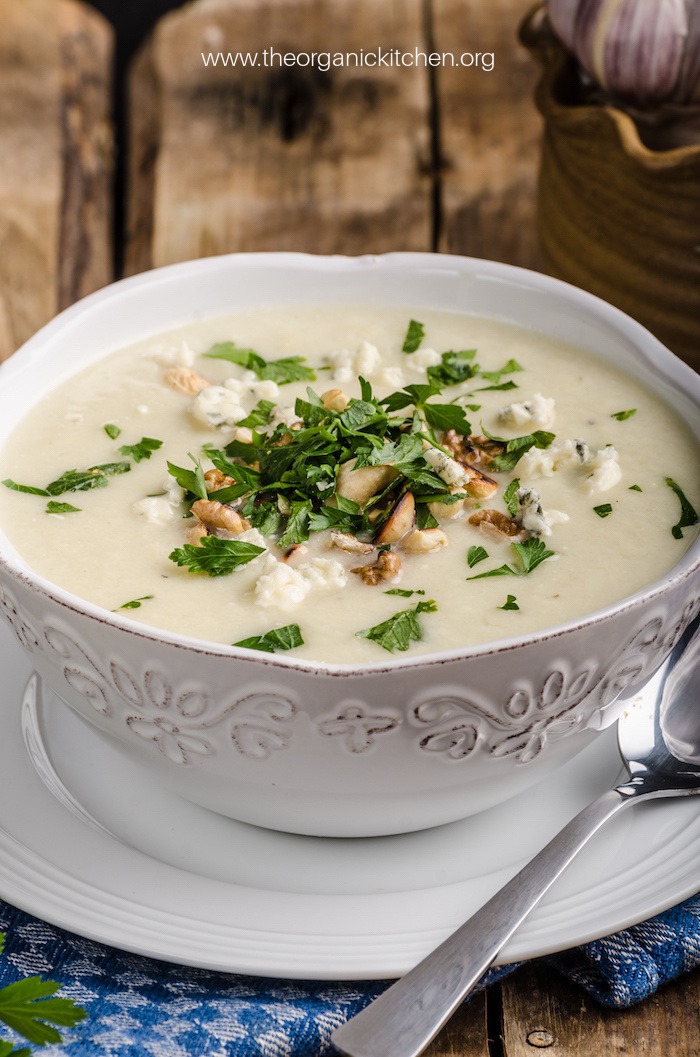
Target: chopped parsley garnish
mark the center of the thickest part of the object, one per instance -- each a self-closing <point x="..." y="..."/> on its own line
<point x="401" y="629"/>
<point x="454" y="368"/>
<point x="191" y="481"/>
<point x="286" y="638"/>
<point x="215" y="556"/>
<point x="501" y="386"/>
<point x="530" y="554"/>
<point x="414" y="336"/>
<point x="510" y="497"/>
<point x="603" y="510"/>
<point x="495" y="376"/>
<point x="476" y="555"/>
<point x="84" y="480"/>
<point x="510" y="603"/>
<point x="283" y="371"/>
<point x="516" y="448"/>
<point x="28" y="488"/>
<point x="74" y="480"/>
<point x="52" y="507"/>
<point x="439" y="416"/>
<point x="622" y="415"/>
<point x="112" y="431"/>
<point x="688" y="516"/>
<point x="259" y="416"/>
<point x="634" y="488"/>
<point x="28" y="1007"/>
<point x="135" y="603"/>
<point x="403" y="592"/>
<point x="142" y="450"/>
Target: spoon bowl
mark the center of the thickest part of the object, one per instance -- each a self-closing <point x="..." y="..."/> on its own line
<point x="660" y="745"/>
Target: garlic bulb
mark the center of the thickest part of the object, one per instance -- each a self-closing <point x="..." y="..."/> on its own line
<point x="643" y="51"/>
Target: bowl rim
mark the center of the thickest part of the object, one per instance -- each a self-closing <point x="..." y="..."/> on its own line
<point x="672" y="367"/>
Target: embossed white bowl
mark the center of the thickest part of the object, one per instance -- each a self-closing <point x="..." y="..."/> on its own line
<point x="337" y="750"/>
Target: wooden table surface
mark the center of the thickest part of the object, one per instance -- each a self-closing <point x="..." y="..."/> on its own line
<point x="353" y="160"/>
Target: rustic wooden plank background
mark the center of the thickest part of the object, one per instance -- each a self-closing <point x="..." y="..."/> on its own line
<point x="353" y="160"/>
<point x="55" y="179"/>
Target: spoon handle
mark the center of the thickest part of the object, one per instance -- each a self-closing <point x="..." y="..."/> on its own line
<point x="409" y="1014"/>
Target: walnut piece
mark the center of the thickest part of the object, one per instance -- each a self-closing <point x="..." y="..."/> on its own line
<point x="196" y="533"/>
<point x="334" y="400"/>
<point x="215" y="479"/>
<point x="219" y="516"/>
<point x="185" y="380"/>
<point x="495" y="524"/>
<point x="386" y="567"/>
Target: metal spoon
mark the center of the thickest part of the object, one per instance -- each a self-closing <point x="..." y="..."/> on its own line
<point x="660" y="745"/>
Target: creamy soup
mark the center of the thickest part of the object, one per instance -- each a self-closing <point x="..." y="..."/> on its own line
<point x="346" y="483"/>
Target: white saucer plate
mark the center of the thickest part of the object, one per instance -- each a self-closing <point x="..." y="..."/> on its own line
<point x="90" y="843"/>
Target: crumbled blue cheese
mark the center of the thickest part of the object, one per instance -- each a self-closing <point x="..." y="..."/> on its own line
<point x="283" y="586"/>
<point x="227" y="404"/>
<point x="451" y="472"/>
<point x="539" y="411"/>
<point x="605" y="471"/>
<point x="282" y="414"/>
<point x="217" y="406"/>
<point x="423" y="358"/>
<point x="532" y="517"/>
<point x="365" y="362"/>
<point x="160" y="509"/>
<point x="173" y="355"/>
<point x="253" y="535"/>
<point x="544" y="462"/>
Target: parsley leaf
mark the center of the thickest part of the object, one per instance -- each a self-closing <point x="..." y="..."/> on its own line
<point x="401" y="629"/>
<point x="454" y="367"/>
<point x="286" y="638"/>
<point x="476" y="555"/>
<point x="510" y="497"/>
<point x="516" y="448"/>
<point x="52" y="507"/>
<point x="495" y="376"/>
<point x="634" y="488"/>
<point x="297" y="529"/>
<point x="135" y="603"/>
<point x="26" y="1006"/>
<point x="530" y="553"/>
<point x="510" y="603"/>
<point x="688" y="514"/>
<point x="28" y="488"/>
<point x="446" y="416"/>
<point x="190" y="480"/>
<point x="501" y="386"/>
<point x="622" y="415"/>
<point x="112" y="431"/>
<point x="603" y="510"/>
<point x="215" y="556"/>
<point x="74" y="480"/>
<point x="414" y="336"/>
<point x="83" y="480"/>
<point x="403" y="592"/>
<point x="143" y="450"/>
<point x="259" y="416"/>
<point x="285" y="370"/>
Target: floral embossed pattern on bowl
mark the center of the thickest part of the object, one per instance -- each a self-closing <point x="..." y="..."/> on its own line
<point x="397" y="745"/>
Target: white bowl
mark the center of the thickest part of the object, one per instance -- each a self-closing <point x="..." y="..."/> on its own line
<point x="445" y="735"/>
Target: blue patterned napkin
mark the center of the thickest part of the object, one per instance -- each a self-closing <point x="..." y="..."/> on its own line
<point x="138" y="1006"/>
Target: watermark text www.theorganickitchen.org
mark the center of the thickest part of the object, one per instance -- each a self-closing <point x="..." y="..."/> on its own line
<point x="375" y="58"/>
